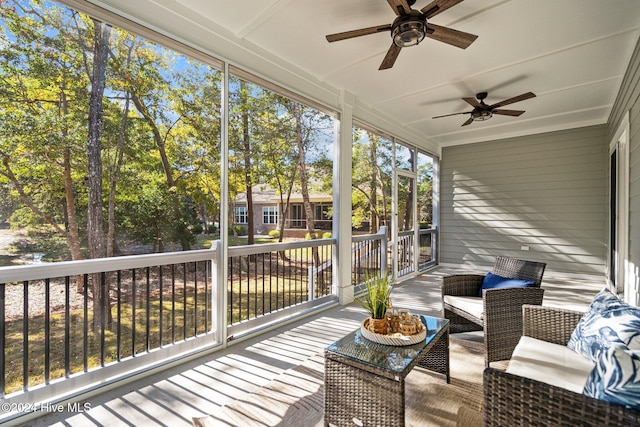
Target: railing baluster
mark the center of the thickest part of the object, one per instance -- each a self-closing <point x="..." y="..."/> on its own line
<point x="147" y="309"/>
<point x="118" y="314"/>
<point x="85" y="325"/>
<point x="3" y="340"/>
<point x="160" y="281"/>
<point x="195" y="299"/>
<point x="47" y="330"/>
<point x="263" y="280"/>
<point x="207" y="300"/>
<point x="173" y="303"/>
<point x="184" y="301"/>
<point x="248" y="263"/>
<point x="103" y="318"/>
<point x="278" y="278"/>
<point x="255" y="285"/>
<point x="133" y="312"/>
<point x="25" y="336"/>
<point x="229" y="289"/>
<point x="271" y="255"/>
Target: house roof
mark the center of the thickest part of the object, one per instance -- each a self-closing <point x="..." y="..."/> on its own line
<point x="265" y="195"/>
<point x="572" y="54"/>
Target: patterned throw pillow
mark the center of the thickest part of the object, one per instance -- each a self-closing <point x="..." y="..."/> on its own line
<point x="616" y="378"/>
<point x="609" y="322"/>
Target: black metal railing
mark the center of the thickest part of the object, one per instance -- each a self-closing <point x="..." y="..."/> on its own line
<point x="265" y="279"/>
<point x="157" y="308"/>
<point x="66" y="319"/>
<point x="369" y="256"/>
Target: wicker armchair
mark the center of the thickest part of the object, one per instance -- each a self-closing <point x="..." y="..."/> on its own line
<point x="502" y="308"/>
<point x="511" y="400"/>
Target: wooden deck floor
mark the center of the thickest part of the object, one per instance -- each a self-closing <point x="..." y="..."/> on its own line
<point x="201" y="386"/>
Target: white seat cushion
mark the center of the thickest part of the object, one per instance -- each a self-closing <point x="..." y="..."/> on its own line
<point x="549" y="363"/>
<point x="472" y="305"/>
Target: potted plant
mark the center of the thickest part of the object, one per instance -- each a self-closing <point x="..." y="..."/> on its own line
<point x="376" y="298"/>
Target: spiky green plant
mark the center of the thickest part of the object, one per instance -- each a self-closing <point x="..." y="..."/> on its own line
<point x="374" y="298"/>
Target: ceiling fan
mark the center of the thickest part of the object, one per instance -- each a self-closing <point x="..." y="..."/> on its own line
<point x="482" y="111"/>
<point x="410" y="27"/>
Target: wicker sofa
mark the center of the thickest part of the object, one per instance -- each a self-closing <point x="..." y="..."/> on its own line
<point x="499" y="311"/>
<point x="513" y="400"/>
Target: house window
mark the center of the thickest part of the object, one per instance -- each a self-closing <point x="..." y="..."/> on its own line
<point x="297" y="217"/>
<point x="270" y="215"/>
<point x="241" y="215"/>
<point x="322" y="213"/>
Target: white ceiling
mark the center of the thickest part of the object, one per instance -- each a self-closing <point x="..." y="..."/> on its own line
<point x="571" y="53"/>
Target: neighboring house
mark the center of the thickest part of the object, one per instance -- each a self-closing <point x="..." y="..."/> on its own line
<point x="266" y="211"/>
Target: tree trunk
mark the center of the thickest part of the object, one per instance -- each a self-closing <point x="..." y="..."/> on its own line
<point x="72" y="234"/>
<point x="157" y="138"/>
<point x="304" y="181"/>
<point x="95" y="221"/>
<point x="302" y="167"/>
<point x="111" y="213"/>
<point x="111" y="220"/>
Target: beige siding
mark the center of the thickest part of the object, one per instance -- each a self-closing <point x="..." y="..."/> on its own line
<point x="546" y="191"/>
<point x="628" y="100"/>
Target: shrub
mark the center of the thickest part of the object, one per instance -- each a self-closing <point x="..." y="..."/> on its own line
<point x="197" y="229"/>
<point x="274" y="234"/>
<point x="212" y="228"/>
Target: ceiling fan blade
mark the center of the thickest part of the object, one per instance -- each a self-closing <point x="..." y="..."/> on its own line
<point x="438" y="6"/>
<point x="357" y="33"/>
<point x="514" y="99"/>
<point x="514" y="113"/>
<point x="390" y="57"/>
<point x="400" y="7"/>
<point x="454" y="114"/>
<point x="468" y="122"/>
<point x="472" y="101"/>
<point x="450" y="36"/>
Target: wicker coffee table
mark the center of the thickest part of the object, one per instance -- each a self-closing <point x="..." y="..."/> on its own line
<point x="364" y="380"/>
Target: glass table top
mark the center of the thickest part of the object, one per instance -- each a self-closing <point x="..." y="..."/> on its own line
<point x="387" y="357"/>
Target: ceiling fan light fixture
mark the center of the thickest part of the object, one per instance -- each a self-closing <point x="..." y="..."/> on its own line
<point x="481" y="116"/>
<point x="409" y="32"/>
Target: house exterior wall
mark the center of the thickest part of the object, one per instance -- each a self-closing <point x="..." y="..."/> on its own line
<point x="547" y="192"/>
<point x="628" y="101"/>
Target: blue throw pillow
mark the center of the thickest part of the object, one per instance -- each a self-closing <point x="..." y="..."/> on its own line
<point x="492" y="281"/>
<point x="609" y="322"/>
<point x="616" y="378"/>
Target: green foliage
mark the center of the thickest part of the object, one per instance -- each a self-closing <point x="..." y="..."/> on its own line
<point x="376" y="294"/>
<point x="161" y="136"/>
<point x="274" y="234"/>
<point x="326" y="235"/>
<point x="197" y="229"/>
<point x="158" y="217"/>
<point x="212" y="228"/>
<point x="316" y="235"/>
<point x="240" y="230"/>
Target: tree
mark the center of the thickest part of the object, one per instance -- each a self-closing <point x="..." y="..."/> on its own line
<point x="95" y="220"/>
<point x="371" y="179"/>
<point x="40" y="125"/>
